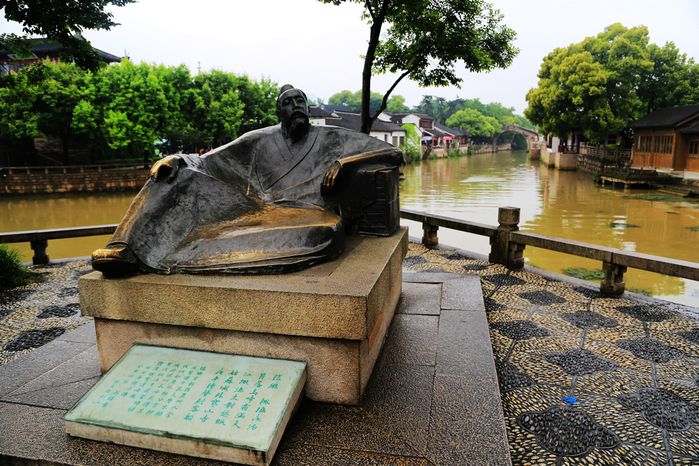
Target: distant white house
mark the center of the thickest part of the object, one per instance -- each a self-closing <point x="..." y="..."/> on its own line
<point x="431" y="132"/>
<point x="384" y="130"/>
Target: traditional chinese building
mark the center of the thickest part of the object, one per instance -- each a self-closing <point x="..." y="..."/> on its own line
<point x="384" y="130"/>
<point x="41" y="49"/>
<point x="668" y="139"/>
<point x="437" y="135"/>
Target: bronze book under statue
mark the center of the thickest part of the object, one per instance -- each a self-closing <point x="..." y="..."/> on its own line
<point x="274" y="200"/>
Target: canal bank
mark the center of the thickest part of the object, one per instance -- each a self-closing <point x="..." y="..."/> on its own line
<point x="72" y="179"/>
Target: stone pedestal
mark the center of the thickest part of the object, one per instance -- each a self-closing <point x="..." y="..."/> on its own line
<point x="334" y="316"/>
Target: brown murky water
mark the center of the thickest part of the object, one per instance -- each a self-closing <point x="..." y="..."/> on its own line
<point x="554" y="203"/>
<point x="564" y="204"/>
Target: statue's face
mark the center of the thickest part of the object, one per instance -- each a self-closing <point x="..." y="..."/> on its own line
<point x="293" y="102"/>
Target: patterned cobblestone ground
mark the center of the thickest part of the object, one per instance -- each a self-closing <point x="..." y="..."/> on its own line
<point x="586" y="379"/>
<point x="33" y="315"/>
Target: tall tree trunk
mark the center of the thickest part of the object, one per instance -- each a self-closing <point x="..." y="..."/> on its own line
<point x="375" y="33"/>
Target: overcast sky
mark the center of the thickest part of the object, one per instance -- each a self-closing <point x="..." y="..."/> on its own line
<point x="317" y="47"/>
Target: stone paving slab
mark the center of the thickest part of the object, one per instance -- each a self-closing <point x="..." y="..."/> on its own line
<point x="433" y="397"/>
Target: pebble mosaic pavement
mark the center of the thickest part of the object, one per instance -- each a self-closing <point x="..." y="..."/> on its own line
<point x="584" y="379"/>
<point x="33" y="315"/>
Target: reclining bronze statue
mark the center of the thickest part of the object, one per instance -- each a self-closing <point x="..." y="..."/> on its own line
<point x="274" y="200"/>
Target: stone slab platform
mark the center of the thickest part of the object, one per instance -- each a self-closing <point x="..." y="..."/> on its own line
<point x="432" y="399"/>
<point x="333" y="316"/>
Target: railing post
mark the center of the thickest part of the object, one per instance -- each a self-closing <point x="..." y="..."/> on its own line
<point x="502" y="251"/>
<point x="39" y="248"/>
<point x="613" y="283"/>
<point x="429" y="235"/>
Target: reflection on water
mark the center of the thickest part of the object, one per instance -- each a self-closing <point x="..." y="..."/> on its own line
<point x="564" y="204"/>
<point x="555" y="203"/>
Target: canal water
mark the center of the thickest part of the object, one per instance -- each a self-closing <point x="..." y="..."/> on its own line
<point x="562" y="204"/>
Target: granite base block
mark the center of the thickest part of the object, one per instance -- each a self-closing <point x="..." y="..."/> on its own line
<point x="333" y="316"/>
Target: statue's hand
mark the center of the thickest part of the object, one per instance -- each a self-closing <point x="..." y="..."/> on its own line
<point x="330" y="178"/>
<point x="166" y="167"/>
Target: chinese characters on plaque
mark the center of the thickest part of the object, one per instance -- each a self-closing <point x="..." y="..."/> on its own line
<point x="237" y="400"/>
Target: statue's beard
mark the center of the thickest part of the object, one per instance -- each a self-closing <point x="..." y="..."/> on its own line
<point x="298" y="126"/>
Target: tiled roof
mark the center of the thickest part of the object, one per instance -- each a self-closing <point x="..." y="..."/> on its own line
<point x="317" y="112"/>
<point x="435" y="132"/>
<point x="666" y="117"/>
<point x="452" y="131"/>
<point x="353" y="121"/>
<point x="691" y="129"/>
<point x="335" y="108"/>
<point x="397" y="117"/>
<point x="42" y="48"/>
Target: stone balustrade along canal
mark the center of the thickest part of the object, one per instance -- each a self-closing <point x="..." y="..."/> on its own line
<point x="507" y="246"/>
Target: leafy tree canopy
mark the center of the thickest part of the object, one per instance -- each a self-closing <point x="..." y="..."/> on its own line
<point x="353" y="101"/>
<point x="124" y="110"/>
<point x="599" y="85"/>
<point x="479" y="126"/>
<point x="425" y="39"/>
<point x="62" y="21"/>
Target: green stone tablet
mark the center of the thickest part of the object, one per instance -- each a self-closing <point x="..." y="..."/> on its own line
<point x="219" y="406"/>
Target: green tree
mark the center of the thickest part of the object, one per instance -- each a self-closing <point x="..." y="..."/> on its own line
<point x="411" y="145"/>
<point x="438" y="107"/>
<point x="599" y="85"/>
<point x="62" y="21"/>
<point x="40" y="100"/>
<point x="133" y="105"/>
<point x="479" y="126"/>
<point x="259" y="99"/>
<point x="124" y="110"/>
<point x="673" y="79"/>
<point x="346" y="98"/>
<point x="18" y="92"/>
<point x="397" y="104"/>
<point x="424" y="41"/>
<point x="353" y="100"/>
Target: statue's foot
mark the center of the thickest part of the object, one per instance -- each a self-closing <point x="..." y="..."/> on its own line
<point x="115" y="260"/>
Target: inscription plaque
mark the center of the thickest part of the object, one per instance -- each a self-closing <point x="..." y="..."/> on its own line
<point x="219" y="406"/>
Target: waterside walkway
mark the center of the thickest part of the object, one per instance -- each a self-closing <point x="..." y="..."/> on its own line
<point x="583" y="379"/>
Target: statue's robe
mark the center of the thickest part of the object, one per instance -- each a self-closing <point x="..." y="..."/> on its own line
<point x="251" y="206"/>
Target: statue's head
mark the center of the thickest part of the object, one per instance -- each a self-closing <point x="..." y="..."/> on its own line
<point x="292" y="110"/>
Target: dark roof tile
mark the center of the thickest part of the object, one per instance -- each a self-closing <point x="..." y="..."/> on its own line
<point x="666" y="117"/>
<point x="354" y="121"/>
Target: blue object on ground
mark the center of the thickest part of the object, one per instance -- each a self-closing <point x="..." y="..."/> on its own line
<point x="571" y="400"/>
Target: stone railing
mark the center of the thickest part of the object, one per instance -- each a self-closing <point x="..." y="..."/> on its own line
<point x="39" y="239"/>
<point x="507" y="245"/>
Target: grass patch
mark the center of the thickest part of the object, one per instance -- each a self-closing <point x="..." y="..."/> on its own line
<point x="12" y="272"/>
<point x="657" y="197"/>
<point x="696" y="228"/>
<point x="622" y="225"/>
<point x="583" y="273"/>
